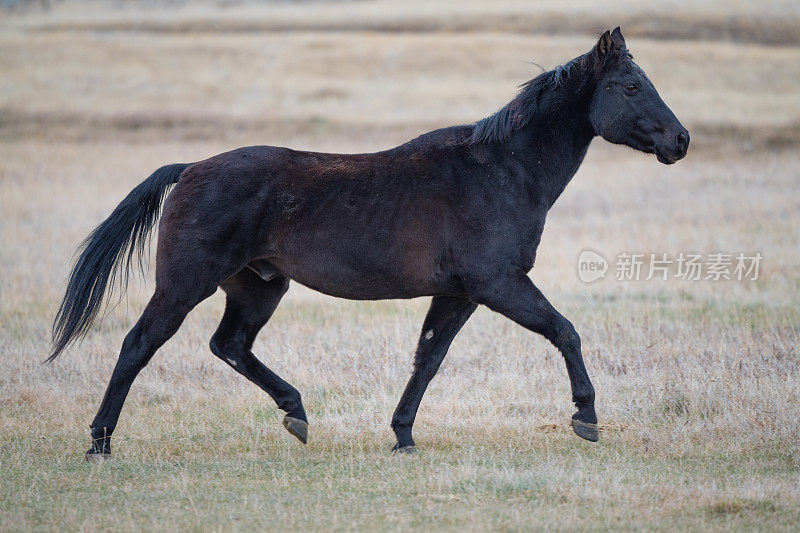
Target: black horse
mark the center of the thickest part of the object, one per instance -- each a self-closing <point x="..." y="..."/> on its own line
<point x="456" y="214"/>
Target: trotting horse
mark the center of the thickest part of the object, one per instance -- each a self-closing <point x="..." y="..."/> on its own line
<point x="455" y="214"/>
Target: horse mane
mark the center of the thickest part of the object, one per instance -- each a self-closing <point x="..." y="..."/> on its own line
<point x="523" y="108"/>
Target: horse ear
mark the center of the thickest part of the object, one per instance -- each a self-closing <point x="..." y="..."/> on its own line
<point x="618" y="39"/>
<point x="604" y="44"/>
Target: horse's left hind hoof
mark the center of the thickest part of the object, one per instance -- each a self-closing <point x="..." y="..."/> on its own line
<point x="585" y="430"/>
<point x="405" y="449"/>
<point x="297" y="427"/>
<point x="93" y="456"/>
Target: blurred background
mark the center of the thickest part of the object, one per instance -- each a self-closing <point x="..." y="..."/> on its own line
<point x="96" y="95"/>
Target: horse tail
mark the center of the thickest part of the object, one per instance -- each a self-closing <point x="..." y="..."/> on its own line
<point x="109" y="247"/>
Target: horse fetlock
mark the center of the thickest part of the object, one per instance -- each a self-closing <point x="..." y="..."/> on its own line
<point x="585" y="405"/>
<point x="292" y="404"/>
<point x="101" y="433"/>
<point x="584" y="400"/>
<point x="101" y="446"/>
<point x="402" y="432"/>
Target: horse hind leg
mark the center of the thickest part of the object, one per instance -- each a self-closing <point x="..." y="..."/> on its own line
<point x="160" y="320"/>
<point x="250" y="303"/>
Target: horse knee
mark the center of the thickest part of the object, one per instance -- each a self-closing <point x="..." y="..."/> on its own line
<point x="567" y="339"/>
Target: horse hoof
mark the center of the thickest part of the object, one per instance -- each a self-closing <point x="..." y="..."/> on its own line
<point x="405" y="449"/>
<point x="585" y="430"/>
<point x="97" y="457"/>
<point x="297" y="427"/>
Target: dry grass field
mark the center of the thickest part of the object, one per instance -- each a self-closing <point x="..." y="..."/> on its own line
<point x="698" y="382"/>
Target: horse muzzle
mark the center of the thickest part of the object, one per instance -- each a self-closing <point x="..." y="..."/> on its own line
<point x="674" y="149"/>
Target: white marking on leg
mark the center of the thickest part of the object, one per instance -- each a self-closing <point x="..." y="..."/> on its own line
<point x="429" y="334"/>
<point x="231" y="361"/>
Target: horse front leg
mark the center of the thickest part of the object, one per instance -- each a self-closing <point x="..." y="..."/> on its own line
<point x="445" y="318"/>
<point x="514" y="295"/>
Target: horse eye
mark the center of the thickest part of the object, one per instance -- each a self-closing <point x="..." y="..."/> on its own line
<point x="631" y="88"/>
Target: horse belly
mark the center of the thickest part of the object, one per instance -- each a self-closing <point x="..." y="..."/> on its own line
<point x="365" y="269"/>
<point x="356" y="244"/>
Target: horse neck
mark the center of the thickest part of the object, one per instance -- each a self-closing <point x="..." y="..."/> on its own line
<point x="553" y="144"/>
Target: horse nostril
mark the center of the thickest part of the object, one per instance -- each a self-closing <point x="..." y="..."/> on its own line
<point x="682" y="140"/>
